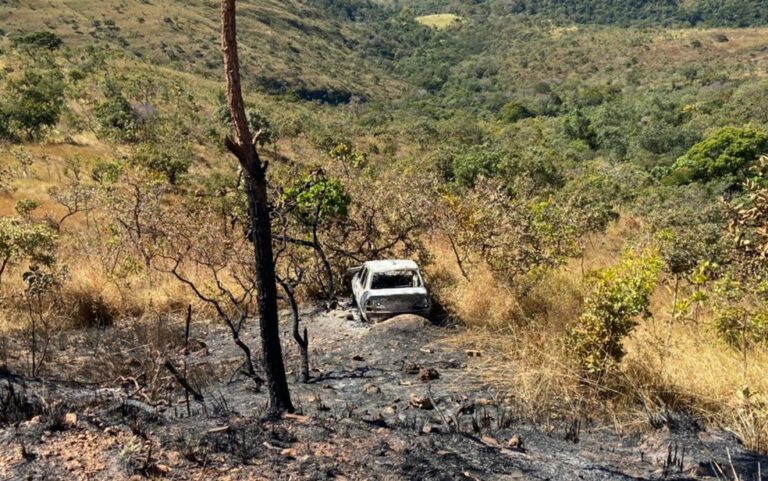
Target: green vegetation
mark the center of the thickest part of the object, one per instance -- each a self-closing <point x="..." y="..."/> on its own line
<point x="727" y="152"/>
<point x="619" y="295"/>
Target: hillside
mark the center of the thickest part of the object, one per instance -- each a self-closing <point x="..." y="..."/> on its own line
<point x="298" y="49"/>
<point x="582" y="183"/>
<point x="650" y="13"/>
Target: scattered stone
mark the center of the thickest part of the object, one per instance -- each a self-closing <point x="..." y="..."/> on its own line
<point x="411" y="368"/>
<point x="473" y="353"/>
<point x="70" y="420"/>
<point x="296" y="417"/>
<point x="371" y="388"/>
<point x="430" y="429"/>
<point x="288" y="452"/>
<point x="420" y="402"/>
<point x="426" y="350"/>
<point x="490" y="441"/>
<point x="401" y="323"/>
<point x="389" y="410"/>
<point x="484" y="402"/>
<point x="428" y="374"/>
<point x="516" y="442"/>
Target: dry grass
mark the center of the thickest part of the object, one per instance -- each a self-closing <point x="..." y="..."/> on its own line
<point x="439" y="20"/>
<point x="683" y="366"/>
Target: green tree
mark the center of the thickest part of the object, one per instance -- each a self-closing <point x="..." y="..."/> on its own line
<point x="726" y="153"/>
<point x="171" y="161"/>
<point x="32" y="102"/>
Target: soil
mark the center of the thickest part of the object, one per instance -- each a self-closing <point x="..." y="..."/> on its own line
<point x="388" y="402"/>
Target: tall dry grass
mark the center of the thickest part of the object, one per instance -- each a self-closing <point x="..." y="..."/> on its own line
<point x="679" y="366"/>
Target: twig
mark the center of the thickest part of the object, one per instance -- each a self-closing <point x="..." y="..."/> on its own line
<point x="181" y="380"/>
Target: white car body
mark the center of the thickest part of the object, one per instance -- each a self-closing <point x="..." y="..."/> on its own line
<point x="386" y="288"/>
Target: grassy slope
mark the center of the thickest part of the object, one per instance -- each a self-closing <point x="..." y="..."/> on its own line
<point x="283" y="40"/>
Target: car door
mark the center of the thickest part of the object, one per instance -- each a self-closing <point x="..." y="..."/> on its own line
<point x="358" y="284"/>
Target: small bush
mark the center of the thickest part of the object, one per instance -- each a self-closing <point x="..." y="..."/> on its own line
<point x="619" y="295"/>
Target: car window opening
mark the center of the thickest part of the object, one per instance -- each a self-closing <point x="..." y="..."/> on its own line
<point x="395" y="280"/>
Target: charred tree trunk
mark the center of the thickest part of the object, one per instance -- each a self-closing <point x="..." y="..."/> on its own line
<point x="242" y="146"/>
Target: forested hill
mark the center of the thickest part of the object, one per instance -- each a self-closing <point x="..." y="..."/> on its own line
<point x="709" y="13"/>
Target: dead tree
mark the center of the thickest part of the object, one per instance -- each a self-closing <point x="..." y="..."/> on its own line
<point x="302" y="341"/>
<point x="242" y="146"/>
<point x="233" y="309"/>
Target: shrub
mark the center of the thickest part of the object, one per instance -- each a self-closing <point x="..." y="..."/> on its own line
<point x="42" y="39"/>
<point x="25" y="207"/>
<point x="106" y="171"/>
<point x="115" y="116"/>
<point x="261" y="124"/>
<point x="23" y="240"/>
<point x="618" y="296"/>
<point x="514" y="111"/>
<point x="727" y="152"/>
<point x="170" y="162"/>
<point x="474" y="162"/>
<point x="33" y="102"/>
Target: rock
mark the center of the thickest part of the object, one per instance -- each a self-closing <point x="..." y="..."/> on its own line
<point x="371" y="388"/>
<point x="490" y="441"/>
<point x="429" y="429"/>
<point x="350" y="317"/>
<point x="515" y="442"/>
<point x="358" y="357"/>
<point x="420" y="402"/>
<point x="288" y="452"/>
<point x="389" y="410"/>
<point x="473" y="353"/>
<point x="411" y="368"/>
<point x="428" y="374"/>
<point x="401" y="323"/>
<point x="70" y="420"/>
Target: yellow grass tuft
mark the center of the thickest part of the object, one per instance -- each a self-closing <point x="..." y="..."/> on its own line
<point x="439" y="20"/>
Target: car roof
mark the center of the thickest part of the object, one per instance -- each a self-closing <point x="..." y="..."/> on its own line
<point x="390" y="265"/>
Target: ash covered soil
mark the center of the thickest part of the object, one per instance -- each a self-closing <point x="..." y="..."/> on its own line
<point x="392" y="401"/>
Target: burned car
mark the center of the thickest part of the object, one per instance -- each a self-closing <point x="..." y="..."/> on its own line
<point x="386" y="288"/>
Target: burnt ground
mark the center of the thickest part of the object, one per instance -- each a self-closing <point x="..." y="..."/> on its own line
<point x="390" y="402"/>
